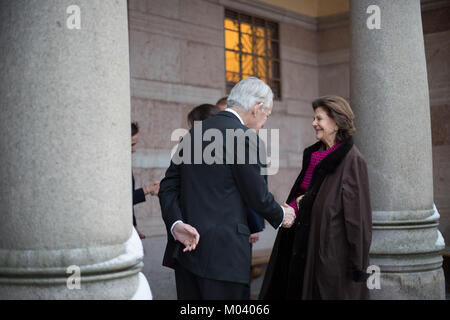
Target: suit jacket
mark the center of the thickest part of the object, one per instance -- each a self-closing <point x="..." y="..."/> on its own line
<point x="138" y="197"/>
<point x="254" y="220"/>
<point x="214" y="198"/>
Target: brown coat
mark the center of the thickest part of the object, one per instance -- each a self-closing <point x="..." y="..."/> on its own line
<point x="325" y="254"/>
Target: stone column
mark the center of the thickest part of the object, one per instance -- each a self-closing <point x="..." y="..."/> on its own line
<point x="389" y="94"/>
<point x="65" y="168"/>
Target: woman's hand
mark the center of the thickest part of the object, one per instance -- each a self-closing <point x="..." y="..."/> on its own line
<point x="152" y="189"/>
<point x="253" y="237"/>
<point x="298" y="199"/>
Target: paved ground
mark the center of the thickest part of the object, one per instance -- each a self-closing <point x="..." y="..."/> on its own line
<point x="162" y="279"/>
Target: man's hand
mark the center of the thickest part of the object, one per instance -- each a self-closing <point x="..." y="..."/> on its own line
<point x="253" y="237"/>
<point x="289" y="216"/>
<point x="187" y="235"/>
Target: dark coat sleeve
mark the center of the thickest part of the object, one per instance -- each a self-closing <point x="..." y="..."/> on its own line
<point x="255" y="222"/>
<point x="358" y="217"/>
<point x="169" y="196"/>
<point x="253" y="187"/>
<point x="138" y="195"/>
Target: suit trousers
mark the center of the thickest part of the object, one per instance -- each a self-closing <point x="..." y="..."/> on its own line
<point x="193" y="287"/>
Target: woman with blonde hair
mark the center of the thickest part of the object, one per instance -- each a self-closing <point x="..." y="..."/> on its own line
<point x="326" y="252"/>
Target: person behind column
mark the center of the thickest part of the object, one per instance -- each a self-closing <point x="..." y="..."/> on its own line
<point x="222" y="103"/>
<point x="139" y="194"/>
<point x="326" y="254"/>
<point x="201" y="112"/>
<point x="204" y="206"/>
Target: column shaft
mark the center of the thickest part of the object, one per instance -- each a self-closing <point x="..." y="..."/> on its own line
<point x="65" y="171"/>
<point x="389" y="93"/>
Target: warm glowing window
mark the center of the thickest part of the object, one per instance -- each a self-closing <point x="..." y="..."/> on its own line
<point x="251" y="49"/>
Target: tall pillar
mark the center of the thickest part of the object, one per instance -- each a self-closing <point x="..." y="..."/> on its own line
<point x="389" y="94"/>
<point x="65" y="166"/>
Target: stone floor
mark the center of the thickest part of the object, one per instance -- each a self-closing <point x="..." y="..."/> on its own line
<point x="162" y="279"/>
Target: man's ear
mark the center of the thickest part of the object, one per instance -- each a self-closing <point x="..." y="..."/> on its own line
<point x="255" y="108"/>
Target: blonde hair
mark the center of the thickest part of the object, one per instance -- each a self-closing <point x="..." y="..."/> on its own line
<point x="339" y="110"/>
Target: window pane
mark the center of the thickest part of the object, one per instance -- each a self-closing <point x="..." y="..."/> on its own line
<point x="247" y="43"/>
<point x="231" y="40"/>
<point x="260" y="67"/>
<point x="233" y="77"/>
<point x="253" y="45"/>
<point x="260" y="32"/>
<point x="231" y="61"/>
<point x="251" y="49"/>
<point x="231" y="24"/>
<point x="247" y="64"/>
<point x="246" y="28"/>
<point x="259" y="47"/>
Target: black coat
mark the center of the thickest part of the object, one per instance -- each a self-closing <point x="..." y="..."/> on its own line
<point x="138" y="197"/>
<point x="214" y="199"/>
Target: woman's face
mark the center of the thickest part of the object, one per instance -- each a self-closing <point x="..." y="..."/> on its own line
<point x="326" y="128"/>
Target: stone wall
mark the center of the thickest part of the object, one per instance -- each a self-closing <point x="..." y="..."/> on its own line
<point x="177" y="62"/>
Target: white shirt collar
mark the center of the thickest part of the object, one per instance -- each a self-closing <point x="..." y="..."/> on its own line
<point x="236" y="114"/>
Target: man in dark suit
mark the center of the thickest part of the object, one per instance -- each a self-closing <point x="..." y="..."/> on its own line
<point x="210" y="200"/>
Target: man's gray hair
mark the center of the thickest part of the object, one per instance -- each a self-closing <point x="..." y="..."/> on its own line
<point x="248" y="92"/>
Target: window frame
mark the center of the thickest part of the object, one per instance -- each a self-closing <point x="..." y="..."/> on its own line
<point x="271" y="38"/>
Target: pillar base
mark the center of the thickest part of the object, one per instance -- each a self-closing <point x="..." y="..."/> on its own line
<point x="116" y="278"/>
<point x="408" y="253"/>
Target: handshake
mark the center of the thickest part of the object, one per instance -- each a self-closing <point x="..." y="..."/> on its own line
<point x="289" y="213"/>
<point x="289" y="216"/>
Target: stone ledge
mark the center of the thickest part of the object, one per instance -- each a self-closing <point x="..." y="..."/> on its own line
<point x="261" y="256"/>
